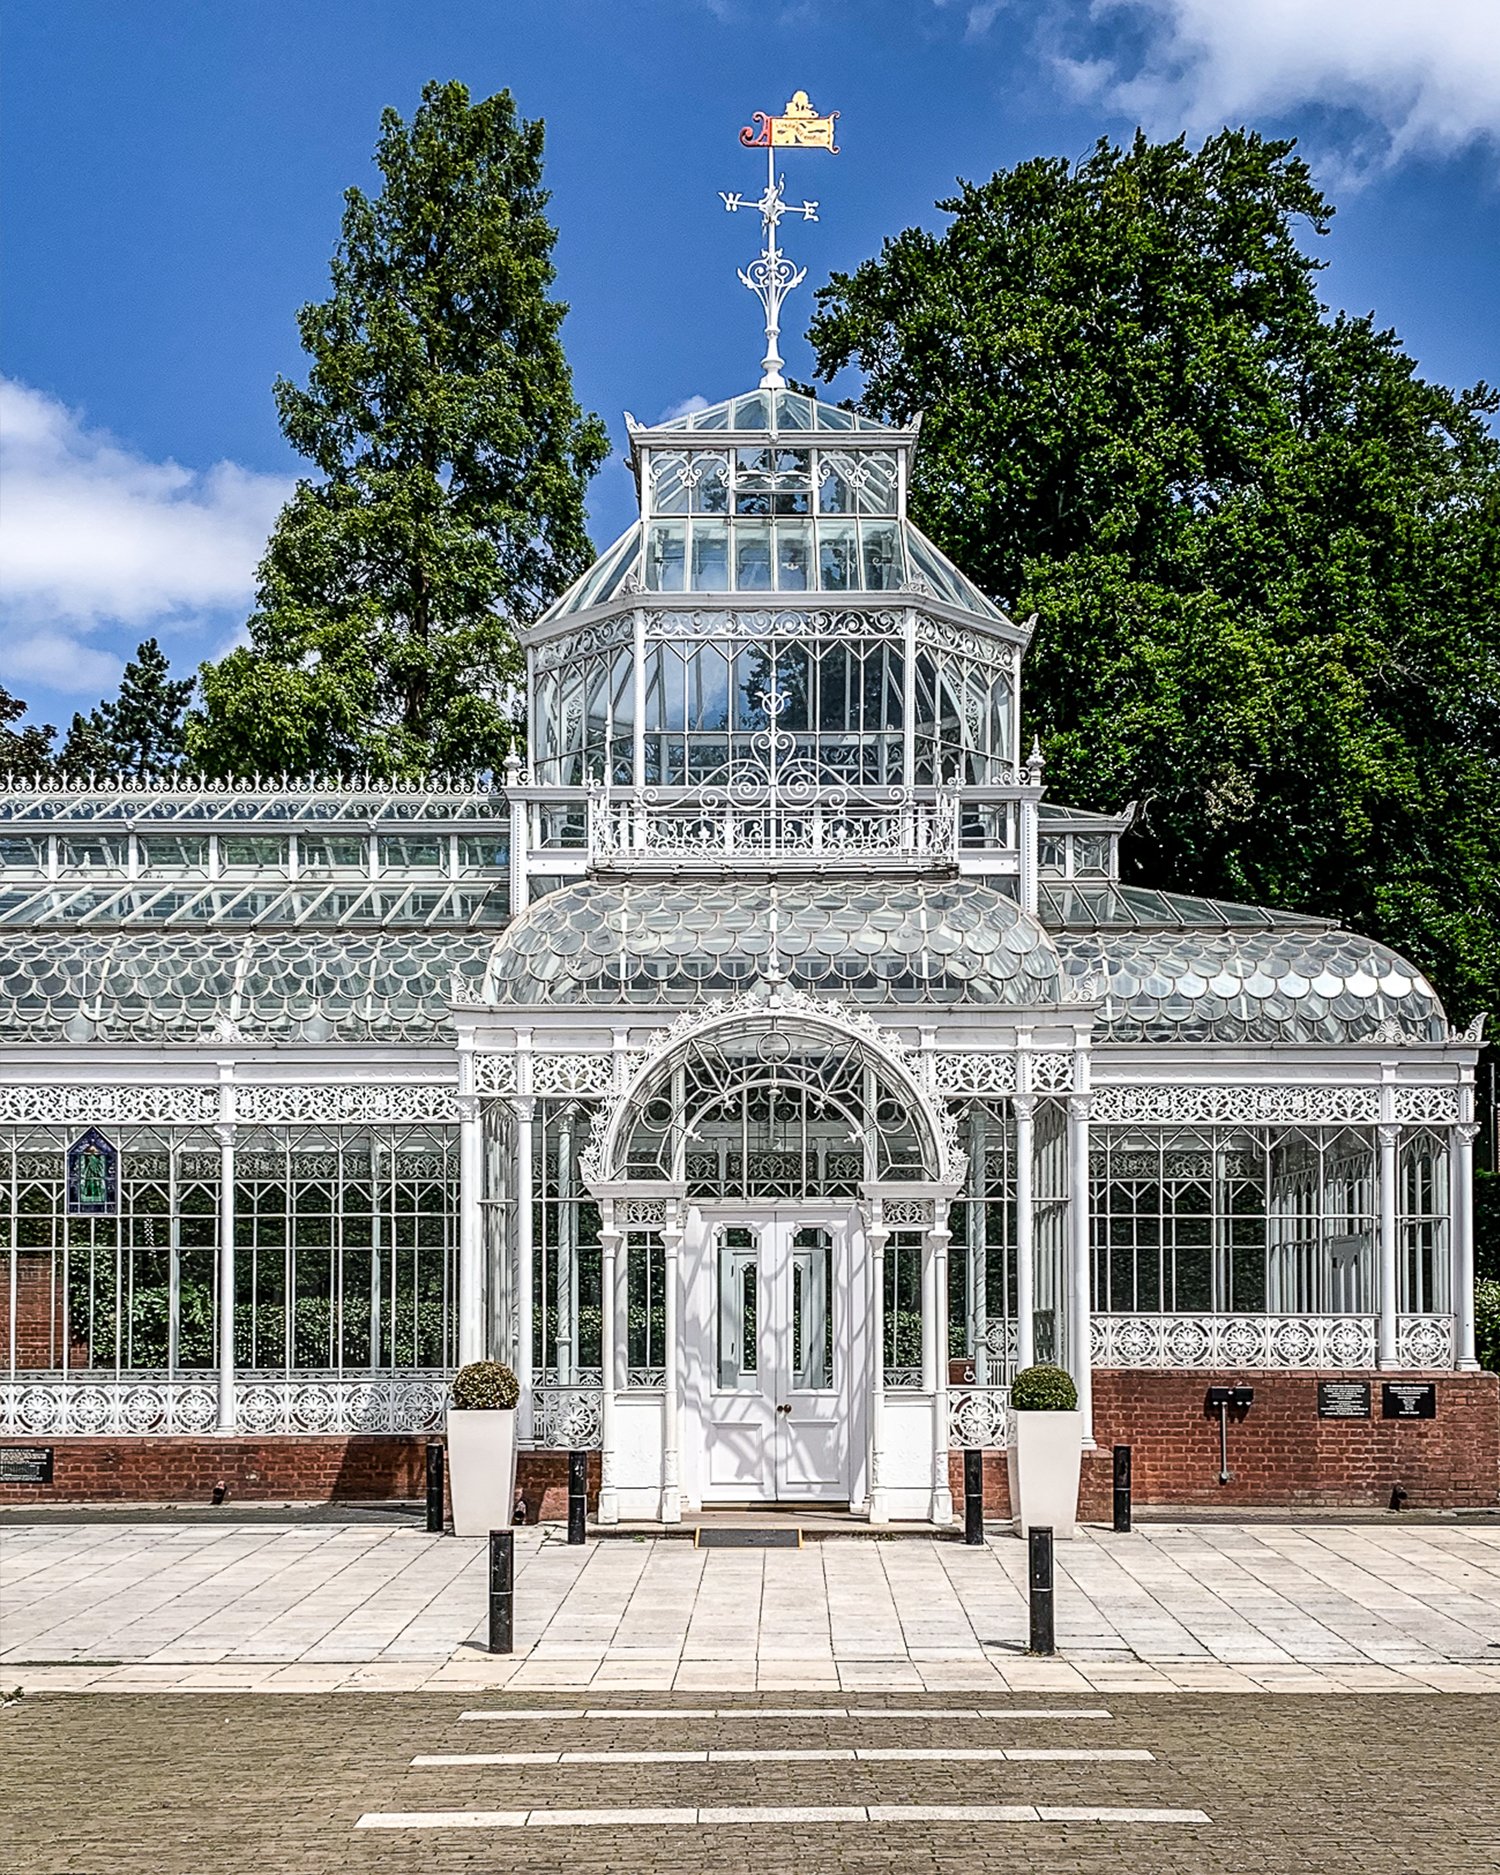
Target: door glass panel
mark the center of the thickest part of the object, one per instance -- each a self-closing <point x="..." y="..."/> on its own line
<point x="738" y="1278"/>
<point x="812" y="1315"/>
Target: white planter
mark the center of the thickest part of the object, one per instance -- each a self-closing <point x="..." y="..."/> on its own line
<point x="1044" y="1460"/>
<point x="481" y="1470"/>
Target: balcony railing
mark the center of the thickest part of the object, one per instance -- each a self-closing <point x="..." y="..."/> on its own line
<point x="1287" y="1341"/>
<point x="717" y="829"/>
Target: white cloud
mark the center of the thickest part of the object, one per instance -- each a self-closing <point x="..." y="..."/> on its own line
<point x="94" y="535"/>
<point x="1425" y="72"/>
<point x="979" y="15"/>
<point x="686" y="408"/>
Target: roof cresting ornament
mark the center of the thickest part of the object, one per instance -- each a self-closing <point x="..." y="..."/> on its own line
<point x="771" y="276"/>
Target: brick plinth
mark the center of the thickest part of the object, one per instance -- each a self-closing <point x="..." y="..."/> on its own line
<point x="1282" y="1453"/>
<point x="316" y="1468"/>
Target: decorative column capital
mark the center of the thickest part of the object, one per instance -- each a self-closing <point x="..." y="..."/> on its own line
<point x="1466" y="1133"/>
<point x="1080" y="1106"/>
<point x="1389" y="1137"/>
<point x="225" y="1131"/>
<point x="1023" y="1106"/>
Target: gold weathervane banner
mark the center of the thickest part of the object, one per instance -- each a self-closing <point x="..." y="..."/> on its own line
<point x="798" y="128"/>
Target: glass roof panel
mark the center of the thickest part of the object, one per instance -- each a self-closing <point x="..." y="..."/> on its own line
<point x="782" y="410"/>
<point x="1098" y="904"/>
<point x="151" y="987"/>
<point x="877" y="942"/>
<point x="604" y="578"/>
<point x="1283" y="983"/>
<point x="944" y="577"/>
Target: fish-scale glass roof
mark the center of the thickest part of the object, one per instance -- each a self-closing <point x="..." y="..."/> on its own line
<point x="936" y="943"/>
<point x="1275" y="984"/>
<point x="776" y="410"/>
<point x="195" y="986"/>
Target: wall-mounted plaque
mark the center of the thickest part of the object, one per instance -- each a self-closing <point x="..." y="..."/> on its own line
<point x="1408" y="1399"/>
<point x="93" y="1176"/>
<point x="25" y="1464"/>
<point x="1343" y="1399"/>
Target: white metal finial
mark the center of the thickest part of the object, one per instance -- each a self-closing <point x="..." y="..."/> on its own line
<point x="771" y="276"/>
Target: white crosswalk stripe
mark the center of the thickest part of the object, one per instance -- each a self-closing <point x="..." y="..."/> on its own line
<point x="502" y="1715"/>
<point x="751" y="1814"/>
<point x="846" y="1754"/>
<point x="672" y="1757"/>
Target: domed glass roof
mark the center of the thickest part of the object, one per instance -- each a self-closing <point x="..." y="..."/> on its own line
<point x="939" y="943"/>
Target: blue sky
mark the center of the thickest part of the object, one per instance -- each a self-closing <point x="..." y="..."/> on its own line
<point x="172" y="173"/>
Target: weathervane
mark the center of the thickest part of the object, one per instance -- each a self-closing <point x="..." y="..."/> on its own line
<point x="771" y="276"/>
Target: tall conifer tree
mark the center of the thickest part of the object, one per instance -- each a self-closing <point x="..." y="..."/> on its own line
<point x="450" y="459"/>
<point x="25" y="751"/>
<point x="142" y="732"/>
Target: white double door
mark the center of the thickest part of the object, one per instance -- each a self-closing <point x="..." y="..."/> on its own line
<point x="769" y="1354"/>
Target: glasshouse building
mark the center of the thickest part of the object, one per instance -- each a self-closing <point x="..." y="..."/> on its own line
<point x="767" y="1072"/>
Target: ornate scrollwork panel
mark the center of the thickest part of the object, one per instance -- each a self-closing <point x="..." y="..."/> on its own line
<point x="978" y="1417"/>
<point x="1424" y="1340"/>
<point x="568" y="1419"/>
<point x="61" y="1104"/>
<point x="972" y="1071"/>
<point x="353" y="1104"/>
<point x="309" y="1400"/>
<point x="494" y="1074"/>
<point x="1427" y="1106"/>
<point x="572" y="1074"/>
<point x="1278" y="1341"/>
<point x="1171" y="1105"/>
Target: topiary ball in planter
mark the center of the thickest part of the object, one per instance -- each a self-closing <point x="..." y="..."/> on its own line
<point x="1043" y="1389"/>
<point x="485" y="1387"/>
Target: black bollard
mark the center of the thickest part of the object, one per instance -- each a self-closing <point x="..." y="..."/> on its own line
<point x="502" y="1592"/>
<point x="973" y="1496"/>
<point x="1043" y="1633"/>
<point x="435" y="1489"/>
<point x="1122" y="1488"/>
<point x="578" y="1496"/>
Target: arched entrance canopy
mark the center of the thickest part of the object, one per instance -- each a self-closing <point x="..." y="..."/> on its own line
<point x="777" y="1097"/>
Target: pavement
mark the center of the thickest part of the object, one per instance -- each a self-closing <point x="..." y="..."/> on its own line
<point x="379" y="1783"/>
<point x="311" y="1607"/>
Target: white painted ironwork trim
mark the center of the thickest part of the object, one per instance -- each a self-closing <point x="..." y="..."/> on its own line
<point x="1272" y="1341"/>
<point x="78" y="1405"/>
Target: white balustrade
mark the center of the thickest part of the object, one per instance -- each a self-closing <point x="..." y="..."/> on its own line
<point x="1276" y="1341"/>
<point x="839" y="831"/>
<point x="51" y="1404"/>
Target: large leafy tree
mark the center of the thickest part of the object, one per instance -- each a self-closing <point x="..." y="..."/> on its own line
<point x="1265" y="553"/>
<point x="142" y="732"/>
<point x="450" y="461"/>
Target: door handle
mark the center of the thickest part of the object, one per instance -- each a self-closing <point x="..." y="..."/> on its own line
<point x="783" y="1409"/>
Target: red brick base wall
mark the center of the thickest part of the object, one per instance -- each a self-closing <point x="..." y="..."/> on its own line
<point x="311" y="1469"/>
<point x="1281" y="1453"/>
